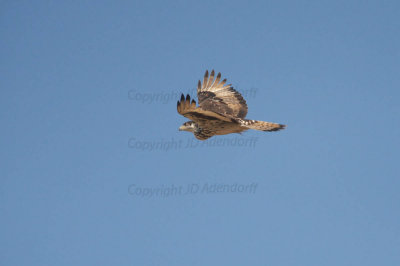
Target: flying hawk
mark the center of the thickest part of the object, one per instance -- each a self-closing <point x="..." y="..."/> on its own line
<point x="222" y="110"/>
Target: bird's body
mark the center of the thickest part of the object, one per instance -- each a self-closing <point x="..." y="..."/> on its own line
<point x="213" y="127"/>
<point x="222" y="110"/>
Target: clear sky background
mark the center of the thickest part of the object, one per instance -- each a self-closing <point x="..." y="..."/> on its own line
<point x="90" y="128"/>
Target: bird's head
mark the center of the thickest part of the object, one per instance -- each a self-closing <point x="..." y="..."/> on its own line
<point x="188" y="126"/>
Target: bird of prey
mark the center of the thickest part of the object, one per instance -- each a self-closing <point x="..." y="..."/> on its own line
<point x="222" y="110"/>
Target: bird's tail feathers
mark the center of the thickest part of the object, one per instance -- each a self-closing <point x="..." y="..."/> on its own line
<point x="261" y="125"/>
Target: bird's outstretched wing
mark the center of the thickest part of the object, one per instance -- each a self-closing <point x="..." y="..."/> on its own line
<point x="219" y="98"/>
<point x="189" y="110"/>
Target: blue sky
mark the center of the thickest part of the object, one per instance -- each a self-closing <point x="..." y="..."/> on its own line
<point x="95" y="172"/>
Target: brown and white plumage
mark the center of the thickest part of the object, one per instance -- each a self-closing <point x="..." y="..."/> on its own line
<point x="222" y="110"/>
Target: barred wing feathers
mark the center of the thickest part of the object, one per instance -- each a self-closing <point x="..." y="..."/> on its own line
<point x="219" y="98"/>
<point x="189" y="110"/>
